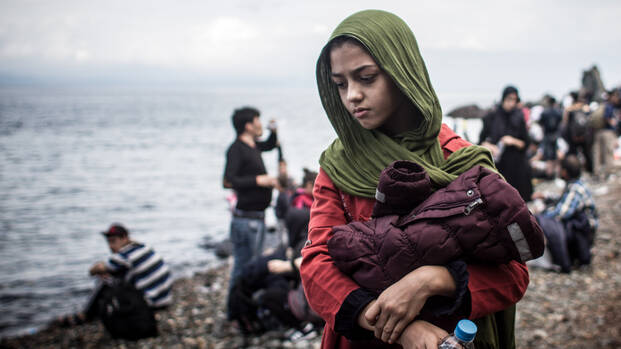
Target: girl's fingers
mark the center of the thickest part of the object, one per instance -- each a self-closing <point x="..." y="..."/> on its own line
<point x="372" y="314"/>
<point x="396" y="332"/>
<point x="388" y="329"/>
<point x="379" y="325"/>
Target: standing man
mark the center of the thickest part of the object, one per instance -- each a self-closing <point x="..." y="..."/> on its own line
<point x="245" y="173"/>
<point x="605" y="140"/>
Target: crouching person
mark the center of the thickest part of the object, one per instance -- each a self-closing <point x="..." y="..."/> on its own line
<point x="268" y="296"/>
<point x="570" y="224"/>
<point x="133" y="283"/>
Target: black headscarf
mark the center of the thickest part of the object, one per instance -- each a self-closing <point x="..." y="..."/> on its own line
<point x="509" y="90"/>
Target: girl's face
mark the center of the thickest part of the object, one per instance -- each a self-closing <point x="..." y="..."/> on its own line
<point x="367" y="92"/>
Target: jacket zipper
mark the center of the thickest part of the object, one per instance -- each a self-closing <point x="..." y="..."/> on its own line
<point x="472" y="205"/>
<point x="467" y="209"/>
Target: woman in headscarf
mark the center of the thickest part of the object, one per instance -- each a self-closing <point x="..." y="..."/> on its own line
<point x="378" y="96"/>
<point x="504" y="133"/>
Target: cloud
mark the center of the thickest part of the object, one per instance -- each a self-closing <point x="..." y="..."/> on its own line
<point x="279" y="38"/>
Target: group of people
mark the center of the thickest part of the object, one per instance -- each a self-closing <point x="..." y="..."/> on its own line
<point x="530" y="141"/>
<point x="366" y="267"/>
<point x="557" y="142"/>
<point x="265" y="291"/>
<point x="135" y="274"/>
<point x="584" y="126"/>
<point x="393" y="165"/>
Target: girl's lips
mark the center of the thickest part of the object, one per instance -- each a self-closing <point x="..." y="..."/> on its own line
<point x="360" y="113"/>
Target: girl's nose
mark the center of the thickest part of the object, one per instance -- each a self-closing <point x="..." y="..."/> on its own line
<point x="354" y="93"/>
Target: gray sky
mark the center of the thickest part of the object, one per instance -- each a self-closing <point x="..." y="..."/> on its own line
<point x="470" y="47"/>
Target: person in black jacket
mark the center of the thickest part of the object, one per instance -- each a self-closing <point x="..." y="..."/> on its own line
<point x="550" y="121"/>
<point x="246" y="174"/>
<point x="504" y="133"/>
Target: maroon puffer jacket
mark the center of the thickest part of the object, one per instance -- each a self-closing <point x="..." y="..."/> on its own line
<point x="478" y="217"/>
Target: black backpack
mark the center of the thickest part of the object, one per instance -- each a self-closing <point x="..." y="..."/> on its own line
<point x="245" y="305"/>
<point x="550" y="120"/>
<point x="125" y="313"/>
<point x="579" y="126"/>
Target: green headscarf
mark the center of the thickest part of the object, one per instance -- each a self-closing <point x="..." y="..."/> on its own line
<point x="355" y="160"/>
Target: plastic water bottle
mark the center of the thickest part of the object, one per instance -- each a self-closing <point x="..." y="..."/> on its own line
<point x="462" y="337"/>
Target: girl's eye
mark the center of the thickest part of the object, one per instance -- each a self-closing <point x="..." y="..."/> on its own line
<point x="339" y="84"/>
<point x="367" y="78"/>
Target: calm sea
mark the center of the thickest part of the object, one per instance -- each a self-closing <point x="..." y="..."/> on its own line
<point x="74" y="160"/>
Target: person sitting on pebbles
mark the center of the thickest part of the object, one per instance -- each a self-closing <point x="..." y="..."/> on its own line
<point x="133" y="262"/>
<point x="571" y="222"/>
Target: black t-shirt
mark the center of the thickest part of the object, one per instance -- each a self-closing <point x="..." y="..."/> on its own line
<point x="243" y="165"/>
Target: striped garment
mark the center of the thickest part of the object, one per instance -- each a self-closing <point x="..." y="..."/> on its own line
<point x="575" y="198"/>
<point x="146" y="270"/>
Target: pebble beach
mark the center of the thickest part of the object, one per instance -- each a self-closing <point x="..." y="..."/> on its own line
<point x="577" y="310"/>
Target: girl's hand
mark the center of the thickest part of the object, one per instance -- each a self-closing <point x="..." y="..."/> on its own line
<point x="397" y="305"/>
<point x="421" y="334"/>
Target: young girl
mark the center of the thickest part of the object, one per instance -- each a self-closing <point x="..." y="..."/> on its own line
<point x="378" y="96"/>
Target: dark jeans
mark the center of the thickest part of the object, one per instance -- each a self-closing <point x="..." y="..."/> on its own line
<point x="568" y="242"/>
<point x="556" y="236"/>
<point x="247" y="235"/>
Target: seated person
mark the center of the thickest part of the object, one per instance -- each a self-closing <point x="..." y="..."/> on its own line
<point x="293" y="207"/>
<point x="570" y="224"/>
<point x="300" y="197"/>
<point x="130" y="261"/>
<point x="269" y="294"/>
<point x="303" y="196"/>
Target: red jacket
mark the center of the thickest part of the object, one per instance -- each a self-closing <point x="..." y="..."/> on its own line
<point x="479" y="217"/>
<point x="492" y="287"/>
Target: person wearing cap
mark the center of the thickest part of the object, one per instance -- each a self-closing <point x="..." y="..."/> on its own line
<point x="245" y="173"/>
<point x="504" y="133"/>
<point x="133" y="262"/>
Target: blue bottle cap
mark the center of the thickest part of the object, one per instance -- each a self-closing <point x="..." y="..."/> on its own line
<point x="465" y="330"/>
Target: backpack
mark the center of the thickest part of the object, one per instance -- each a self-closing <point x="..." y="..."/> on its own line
<point x="550" y="120"/>
<point x="245" y="306"/>
<point x="598" y="121"/>
<point x="125" y="313"/>
<point x="579" y="126"/>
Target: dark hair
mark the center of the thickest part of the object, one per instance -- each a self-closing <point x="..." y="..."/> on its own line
<point x="571" y="164"/>
<point x="549" y="100"/>
<point x="338" y="42"/>
<point x="341" y="40"/>
<point x="243" y="116"/>
<point x="574" y="96"/>
<point x="309" y="176"/>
